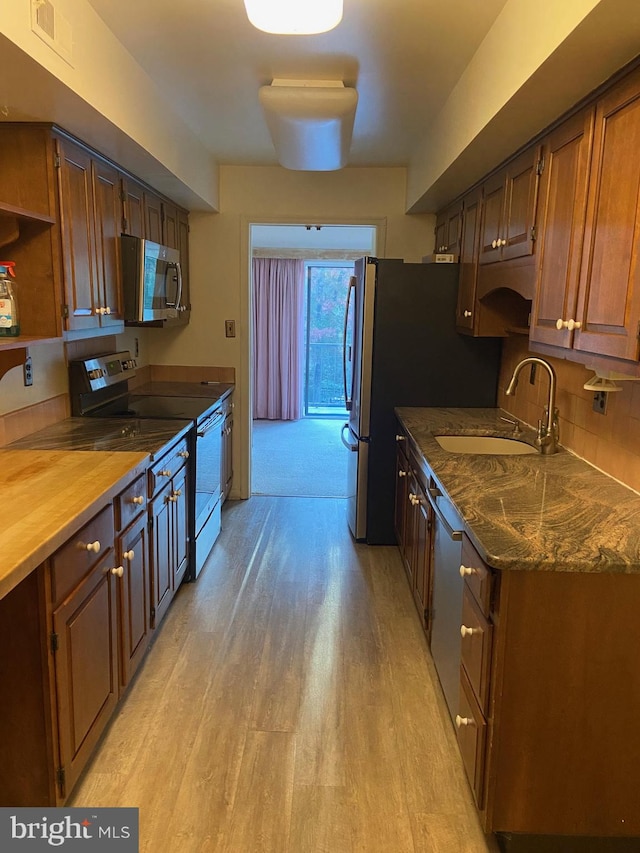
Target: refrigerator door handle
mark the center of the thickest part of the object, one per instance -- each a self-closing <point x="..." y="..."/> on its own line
<point x="348" y="400"/>
<point x="352" y="447"/>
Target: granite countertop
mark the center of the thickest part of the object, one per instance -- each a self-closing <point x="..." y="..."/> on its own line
<point x="47" y="495"/>
<point x="553" y="513"/>
<point x="112" y="434"/>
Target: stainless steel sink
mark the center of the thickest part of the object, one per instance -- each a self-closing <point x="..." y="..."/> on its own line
<point x="492" y="445"/>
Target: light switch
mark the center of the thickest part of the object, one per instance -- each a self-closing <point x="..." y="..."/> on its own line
<point x="230" y="328"/>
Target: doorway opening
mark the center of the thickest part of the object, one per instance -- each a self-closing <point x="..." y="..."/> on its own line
<point x="301" y="453"/>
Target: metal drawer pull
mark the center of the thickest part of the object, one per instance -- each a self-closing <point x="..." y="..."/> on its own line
<point x="164" y="473"/>
<point x="456" y="535"/>
<point x="129" y="555"/>
<point x="464" y="721"/>
<point x="119" y="571"/>
<point x="184" y="454"/>
<point x="469" y="632"/>
<point x="91" y="546"/>
<point x="138" y="499"/>
<point x="401" y="438"/>
<point x="465" y="571"/>
<point x="402" y="473"/>
<point x="177" y="493"/>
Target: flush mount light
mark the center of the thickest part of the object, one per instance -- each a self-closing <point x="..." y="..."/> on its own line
<point x="310" y="121"/>
<point x="294" y="17"/>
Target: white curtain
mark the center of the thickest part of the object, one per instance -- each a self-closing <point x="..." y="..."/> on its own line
<point x="278" y="300"/>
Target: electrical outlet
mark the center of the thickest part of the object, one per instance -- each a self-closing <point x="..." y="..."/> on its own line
<point x="600" y="402"/>
<point x="230" y="328"/>
<point x="28" y="371"/>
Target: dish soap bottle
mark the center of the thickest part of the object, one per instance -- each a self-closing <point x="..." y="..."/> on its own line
<point x="9" y="324"/>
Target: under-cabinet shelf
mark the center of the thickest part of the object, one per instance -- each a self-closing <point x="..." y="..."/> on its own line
<point x="11" y="211"/>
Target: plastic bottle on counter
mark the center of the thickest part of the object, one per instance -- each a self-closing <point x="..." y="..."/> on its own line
<point x="9" y="322"/>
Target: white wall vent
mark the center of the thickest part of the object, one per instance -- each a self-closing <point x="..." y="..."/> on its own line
<point x="48" y="23"/>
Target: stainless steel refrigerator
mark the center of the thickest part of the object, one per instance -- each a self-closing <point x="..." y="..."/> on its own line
<point x="401" y="349"/>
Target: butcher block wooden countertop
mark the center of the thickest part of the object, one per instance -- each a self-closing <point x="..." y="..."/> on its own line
<point x="46" y="495"/>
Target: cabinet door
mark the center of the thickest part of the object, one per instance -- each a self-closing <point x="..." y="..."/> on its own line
<point x="78" y="248"/>
<point x="440" y="231"/>
<point x="170" y="225"/>
<point x="134" y="594"/>
<point x="492" y="218"/>
<point x="133" y="197"/>
<point x="560" y="228"/>
<point x="108" y="221"/>
<point x="183" y="246"/>
<point x="152" y="217"/>
<point x="161" y="555"/>
<point x="521" y="191"/>
<point x="609" y="294"/>
<point x="453" y="228"/>
<point x="86" y="666"/>
<point x="469" y="249"/>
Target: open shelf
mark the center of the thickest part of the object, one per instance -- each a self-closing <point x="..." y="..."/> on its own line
<point x="25" y="341"/>
<point x="11" y="211"/>
<point x="14" y="351"/>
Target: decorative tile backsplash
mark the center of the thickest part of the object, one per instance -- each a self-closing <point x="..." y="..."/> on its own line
<point x="611" y="441"/>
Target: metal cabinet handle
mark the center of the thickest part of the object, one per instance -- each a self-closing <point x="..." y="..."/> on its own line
<point x="91" y="546"/>
<point x="465" y="631"/>
<point x="464" y="721"/>
<point x="118" y="571"/>
<point x="456" y="535"/>
<point x="164" y="473"/>
<point x="184" y="454"/>
<point x="468" y="570"/>
<point x="128" y="555"/>
<point x="138" y="499"/>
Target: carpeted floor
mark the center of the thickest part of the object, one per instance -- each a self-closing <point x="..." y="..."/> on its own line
<point x="304" y="458"/>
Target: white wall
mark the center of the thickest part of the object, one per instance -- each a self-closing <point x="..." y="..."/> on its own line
<point x="220" y="261"/>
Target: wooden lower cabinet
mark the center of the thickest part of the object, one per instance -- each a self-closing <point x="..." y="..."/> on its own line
<point x="548" y="701"/>
<point x="413" y="528"/>
<point x="548" y="689"/>
<point x="134" y="597"/>
<point x="86" y="666"/>
<point x="74" y="632"/>
<point x="169" y="522"/>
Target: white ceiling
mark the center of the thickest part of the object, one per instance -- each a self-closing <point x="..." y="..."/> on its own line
<point x="402" y="56"/>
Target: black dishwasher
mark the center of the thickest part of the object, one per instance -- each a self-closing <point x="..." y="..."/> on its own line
<point x="447" y="590"/>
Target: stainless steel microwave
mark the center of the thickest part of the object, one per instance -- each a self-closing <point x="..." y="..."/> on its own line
<point x="151" y="280"/>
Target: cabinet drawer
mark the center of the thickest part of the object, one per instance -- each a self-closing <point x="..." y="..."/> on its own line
<point x="131" y="502"/>
<point x="167" y="467"/>
<point x="478" y="576"/>
<point x="476" y="647"/>
<point x="71" y="563"/>
<point x="472" y="736"/>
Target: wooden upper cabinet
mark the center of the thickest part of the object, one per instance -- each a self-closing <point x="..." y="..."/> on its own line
<point x="108" y="221"/>
<point x="448" y="229"/>
<point x="90" y="214"/>
<point x="170" y="226"/>
<point x="152" y="217"/>
<point x="560" y="228"/>
<point x="183" y="246"/>
<point x="469" y="250"/>
<point x="78" y="235"/>
<point x="133" y="213"/>
<point x="609" y="292"/>
<point x="509" y="209"/>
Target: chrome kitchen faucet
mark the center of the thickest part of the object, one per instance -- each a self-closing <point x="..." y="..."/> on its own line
<point x="547" y="436"/>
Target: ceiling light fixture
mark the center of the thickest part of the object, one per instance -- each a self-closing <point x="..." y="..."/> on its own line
<point x="311" y="122"/>
<point x="294" y="17"/>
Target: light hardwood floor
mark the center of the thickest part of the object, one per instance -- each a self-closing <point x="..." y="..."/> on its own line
<point x="289" y="704"/>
